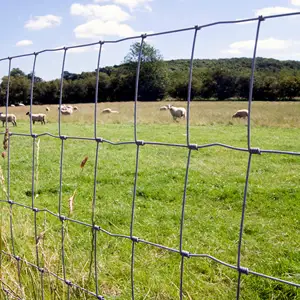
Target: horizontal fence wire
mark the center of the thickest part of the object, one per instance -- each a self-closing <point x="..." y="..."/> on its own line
<point x="96" y="228"/>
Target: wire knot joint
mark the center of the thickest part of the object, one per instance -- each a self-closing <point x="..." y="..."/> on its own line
<point x="255" y="151"/>
<point x="135" y="239"/>
<point x="140" y="143"/>
<point x="185" y="253"/>
<point x="193" y="146"/>
<point x="244" y="270"/>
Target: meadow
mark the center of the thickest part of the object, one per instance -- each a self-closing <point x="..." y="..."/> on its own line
<point x="214" y="198"/>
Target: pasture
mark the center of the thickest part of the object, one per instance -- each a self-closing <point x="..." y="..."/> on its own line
<point x="271" y="242"/>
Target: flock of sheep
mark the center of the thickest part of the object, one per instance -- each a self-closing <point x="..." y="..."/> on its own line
<point x="176" y="112"/>
<point x="40" y="117"/>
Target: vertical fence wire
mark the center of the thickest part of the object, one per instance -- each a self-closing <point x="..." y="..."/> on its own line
<point x="94" y="227"/>
<point x="7" y="91"/>
<point x="61" y="90"/>
<point x="252" y="82"/>
<point x="183" y="254"/>
<point x="31" y="91"/>
<point x="190" y="87"/>
<point x="97" y="90"/>
<point x="136" y="92"/>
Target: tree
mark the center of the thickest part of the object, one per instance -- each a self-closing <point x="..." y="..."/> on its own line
<point x="289" y="87"/>
<point x="16" y="72"/>
<point x="153" y="78"/>
<point x="149" y="53"/>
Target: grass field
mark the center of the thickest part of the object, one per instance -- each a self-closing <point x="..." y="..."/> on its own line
<point x="271" y="242"/>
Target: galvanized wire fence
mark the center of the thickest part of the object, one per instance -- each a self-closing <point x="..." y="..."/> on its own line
<point x="241" y="270"/>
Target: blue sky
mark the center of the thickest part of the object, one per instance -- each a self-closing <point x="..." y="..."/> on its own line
<point x="33" y="25"/>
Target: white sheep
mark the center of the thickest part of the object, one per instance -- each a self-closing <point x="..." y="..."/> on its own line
<point x="109" y="111"/>
<point x="177" y="112"/>
<point x="10" y="118"/>
<point x="12" y="105"/>
<point x="21" y="104"/>
<point x="242" y="113"/>
<point x="66" y="111"/>
<point x="165" y="107"/>
<point x="47" y="108"/>
<point x="37" y="118"/>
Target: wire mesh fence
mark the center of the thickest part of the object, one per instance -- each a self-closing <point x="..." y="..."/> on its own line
<point x="93" y="226"/>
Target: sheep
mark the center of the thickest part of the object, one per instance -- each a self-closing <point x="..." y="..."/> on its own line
<point x="165" y="107"/>
<point x="37" y="118"/>
<point x="109" y="111"/>
<point x="21" y="104"/>
<point x="242" y="113"/>
<point x="47" y="108"/>
<point x="12" y="105"/>
<point x="10" y="118"/>
<point x="177" y="112"/>
<point x="66" y="111"/>
<point x="75" y="108"/>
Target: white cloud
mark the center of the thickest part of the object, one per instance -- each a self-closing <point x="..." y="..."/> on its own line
<point x="266" y="44"/>
<point x="233" y="51"/>
<point x="96" y="29"/>
<point x="131" y="4"/>
<point x="270" y="47"/>
<point x="295" y="2"/>
<point x="245" y="23"/>
<point x="104" y="13"/>
<point x="274" y="10"/>
<point x="24" y="43"/>
<point x="41" y="22"/>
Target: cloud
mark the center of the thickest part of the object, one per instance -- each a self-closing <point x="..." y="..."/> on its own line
<point x="266" y="44"/>
<point x="41" y="22"/>
<point x="97" y="29"/>
<point x="23" y="43"/>
<point x="295" y="2"/>
<point x="103" y="13"/>
<point x="270" y="46"/>
<point x="274" y="10"/>
<point x="131" y="4"/>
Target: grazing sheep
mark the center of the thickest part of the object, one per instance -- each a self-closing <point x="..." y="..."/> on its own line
<point x="37" y="118"/>
<point x="75" y="108"/>
<point x="47" y="108"/>
<point x="177" y="112"/>
<point x="21" y="104"/>
<point x="66" y="111"/>
<point x="242" y="113"/>
<point x="10" y="118"/>
<point x="165" y="107"/>
<point x="109" y="111"/>
<point x="12" y="105"/>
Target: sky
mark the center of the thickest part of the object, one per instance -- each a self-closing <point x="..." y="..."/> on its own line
<point x="34" y="25"/>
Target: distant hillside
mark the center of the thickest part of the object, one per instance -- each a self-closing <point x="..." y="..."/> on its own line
<point x="213" y="79"/>
<point x="237" y="64"/>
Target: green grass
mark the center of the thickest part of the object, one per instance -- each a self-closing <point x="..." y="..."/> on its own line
<point x="212" y="217"/>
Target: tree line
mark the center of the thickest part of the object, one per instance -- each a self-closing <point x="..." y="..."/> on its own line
<point x="216" y="79"/>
